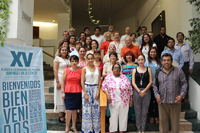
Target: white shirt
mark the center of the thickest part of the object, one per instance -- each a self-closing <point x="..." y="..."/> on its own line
<point x="123" y="38"/>
<point x="118" y="47"/>
<point x="99" y="39"/>
<point x="146" y="50"/>
<point x="117" y="92"/>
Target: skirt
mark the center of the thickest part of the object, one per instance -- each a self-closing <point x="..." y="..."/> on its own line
<point x="73" y="101"/>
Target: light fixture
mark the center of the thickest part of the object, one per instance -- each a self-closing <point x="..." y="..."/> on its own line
<point x="54" y="21"/>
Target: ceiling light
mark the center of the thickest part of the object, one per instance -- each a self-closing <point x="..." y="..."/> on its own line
<point x="54" y="21"/>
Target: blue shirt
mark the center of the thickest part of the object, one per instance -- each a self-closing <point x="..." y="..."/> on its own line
<point x="176" y="55"/>
<point x="153" y="65"/>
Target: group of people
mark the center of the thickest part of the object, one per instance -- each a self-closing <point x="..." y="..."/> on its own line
<point x="139" y="76"/>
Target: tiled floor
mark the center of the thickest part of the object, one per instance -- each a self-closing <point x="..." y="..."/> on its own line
<point x="127" y="132"/>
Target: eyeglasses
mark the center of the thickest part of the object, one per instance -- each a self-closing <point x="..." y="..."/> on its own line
<point x="117" y="68"/>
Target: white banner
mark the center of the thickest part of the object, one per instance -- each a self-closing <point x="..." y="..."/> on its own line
<point x="22" y="104"/>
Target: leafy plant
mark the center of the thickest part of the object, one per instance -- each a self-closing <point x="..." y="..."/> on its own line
<point x="4" y="15"/>
<point x="194" y="34"/>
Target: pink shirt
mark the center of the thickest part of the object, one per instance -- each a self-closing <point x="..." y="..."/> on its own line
<point x="124" y="86"/>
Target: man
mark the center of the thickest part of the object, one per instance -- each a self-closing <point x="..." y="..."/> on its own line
<point x="176" y="54"/>
<point x="82" y="37"/>
<point x="130" y="47"/>
<point x="161" y="40"/>
<point x="72" y="32"/>
<point x="128" y="32"/>
<point x="105" y="44"/>
<point x="65" y="38"/>
<point x="151" y="35"/>
<point x="143" y="31"/>
<point x="99" y="38"/>
<point x="188" y="58"/>
<point x="111" y="29"/>
<point x="78" y="44"/>
<point x="87" y="31"/>
<point x="169" y="87"/>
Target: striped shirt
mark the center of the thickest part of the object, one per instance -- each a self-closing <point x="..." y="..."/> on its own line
<point x="171" y="85"/>
<point x="127" y="70"/>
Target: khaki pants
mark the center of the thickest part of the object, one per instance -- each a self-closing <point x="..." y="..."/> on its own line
<point x="166" y="112"/>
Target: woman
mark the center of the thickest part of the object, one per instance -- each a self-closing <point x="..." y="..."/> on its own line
<point x="107" y="68"/>
<point x="127" y="70"/>
<point x="134" y="42"/>
<point x="119" y="93"/>
<point x="153" y="62"/>
<point x="97" y="60"/>
<point x="61" y="62"/>
<point x="64" y="44"/>
<point x="93" y="46"/>
<point x="87" y="43"/>
<point x="71" y="92"/>
<point x="71" y="42"/>
<point x="146" y="45"/>
<point x="82" y="61"/>
<point x="141" y="81"/>
<point x="91" y="114"/>
<point x="111" y="48"/>
<point x="119" y="45"/>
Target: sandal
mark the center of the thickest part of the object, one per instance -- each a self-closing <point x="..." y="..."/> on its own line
<point x="74" y="130"/>
<point x="61" y="121"/>
<point x="151" y="120"/>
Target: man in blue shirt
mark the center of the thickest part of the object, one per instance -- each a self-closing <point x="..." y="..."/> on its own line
<point x="176" y="54"/>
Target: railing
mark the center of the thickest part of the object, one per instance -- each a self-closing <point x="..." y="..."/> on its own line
<point x="103" y="107"/>
<point x="48" y="54"/>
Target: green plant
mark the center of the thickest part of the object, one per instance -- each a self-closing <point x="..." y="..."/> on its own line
<point x="194" y="34"/>
<point x="4" y="15"/>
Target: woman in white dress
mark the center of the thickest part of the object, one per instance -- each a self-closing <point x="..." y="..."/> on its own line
<point x="60" y="63"/>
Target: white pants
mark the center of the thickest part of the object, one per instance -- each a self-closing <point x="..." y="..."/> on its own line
<point x="118" y="113"/>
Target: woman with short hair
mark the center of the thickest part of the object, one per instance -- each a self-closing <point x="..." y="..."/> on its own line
<point x="71" y="92"/>
<point x="119" y="95"/>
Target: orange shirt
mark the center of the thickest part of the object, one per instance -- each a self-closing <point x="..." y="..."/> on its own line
<point x="104" y="46"/>
<point x="73" y="81"/>
<point x="135" y="49"/>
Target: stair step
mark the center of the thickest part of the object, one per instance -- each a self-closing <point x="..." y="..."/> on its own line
<point x="195" y="124"/>
<point x="190" y="114"/>
<point x="127" y="132"/>
<point x="48" y="89"/>
<point x="185" y="106"/>
<point x="50" y="114"/>
<point x="49" y="97"/>
<point x="56" y="126"/>
<point x="48" y="83"/>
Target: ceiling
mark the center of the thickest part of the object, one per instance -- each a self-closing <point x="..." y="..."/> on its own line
<point x="47" y="10"/>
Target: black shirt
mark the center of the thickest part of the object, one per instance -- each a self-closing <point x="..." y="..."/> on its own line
<point x="161" y="43"/>
<point x="144" y="77"/>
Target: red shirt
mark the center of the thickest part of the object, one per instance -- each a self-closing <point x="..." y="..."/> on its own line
<point x="135" y="49"/>
<point x="104" y="46"/>
<point x="73" y="81"/>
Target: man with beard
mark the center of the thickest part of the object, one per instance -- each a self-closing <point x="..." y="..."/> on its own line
<point x="98" y="37"/>
<point x="161" y="40"/>
<point x="65" y="38"/>
<point x="176" y="54"/>
<point x="111" y="29"/>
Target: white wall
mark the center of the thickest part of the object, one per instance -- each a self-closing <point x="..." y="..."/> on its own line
<point x="47" y="30"/>
<point x="20" y="31"/>
<point x="194" y="96"/>
<point x="125" y="18"/>
<point x="63" y="24"/>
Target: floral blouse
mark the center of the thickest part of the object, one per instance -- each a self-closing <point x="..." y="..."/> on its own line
<point x="125" y="87"/>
